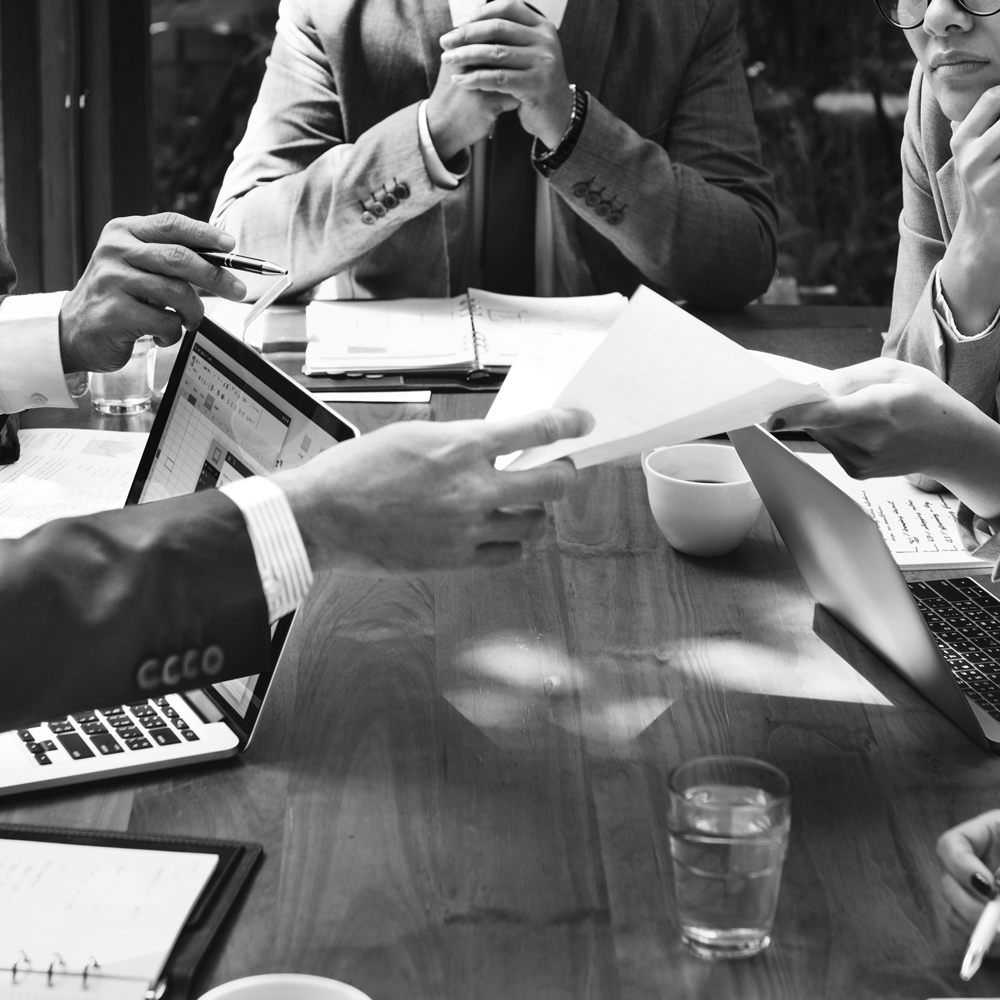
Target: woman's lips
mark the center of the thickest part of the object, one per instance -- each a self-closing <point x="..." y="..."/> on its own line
<point x="956" y="64"/>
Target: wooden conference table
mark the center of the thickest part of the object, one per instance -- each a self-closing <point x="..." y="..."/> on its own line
<point x="459" y="781"/>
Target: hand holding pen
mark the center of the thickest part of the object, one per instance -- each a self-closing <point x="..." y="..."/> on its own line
<point x="970" y="853"/>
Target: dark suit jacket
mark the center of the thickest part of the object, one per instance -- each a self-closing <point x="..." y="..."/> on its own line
<point x="114" y="607"/>
<point x="669" y="146"/>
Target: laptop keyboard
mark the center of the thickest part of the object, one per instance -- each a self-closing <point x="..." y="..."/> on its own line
<point x="965" y="620"/>
<point x="124" y="729"/>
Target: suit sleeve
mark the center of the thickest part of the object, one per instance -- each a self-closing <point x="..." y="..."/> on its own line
<point x="699" y="220"/>
<point x="128" y="604"/>
<point x="296" y="189"/>
<point x="917" y="333"/>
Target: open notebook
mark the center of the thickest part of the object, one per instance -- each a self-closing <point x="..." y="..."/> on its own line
<point x="477" y="331"/>
<point x="92" y="922"/>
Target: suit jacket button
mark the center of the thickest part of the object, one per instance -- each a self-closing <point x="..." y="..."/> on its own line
<point x="377" y="209"/>
<point x="615" y="218"/>
<point x="367" y="218"/>
<point x="389" y="200"/>
<point x="402" y="190"/>
<point x="603" y="209"/>
<point x="581" y="189"/>
<point x="593" y="199"/>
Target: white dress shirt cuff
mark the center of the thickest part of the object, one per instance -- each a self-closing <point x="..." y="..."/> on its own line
<point x="30" y="361"/>
<point x="946" y="318"/>
<point x="439" y="173"/>
<point x="285" y="573"/>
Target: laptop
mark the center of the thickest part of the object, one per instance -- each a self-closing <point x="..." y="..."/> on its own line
<point x="226" y="413"/>
<point x="942" y="636"/>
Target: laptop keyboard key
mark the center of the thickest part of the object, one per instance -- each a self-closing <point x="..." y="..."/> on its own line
<point x="164" y="737"/>
<point x="180" y="724"/>
<point x="75" y="746"/>
<point x="138" y="743"/>
<point x="190" y="735"/>
<point x="106" y="744"/>
<point x="61" y="727"/>
<point x="43" y="758"/>
<point x="93" y="728"/>
<point x="154" y="723"/>
<point x="26" y="735"/>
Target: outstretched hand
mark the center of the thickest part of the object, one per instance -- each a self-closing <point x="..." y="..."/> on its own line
<point x="421" y="495"/>
<point x="138" y="283"/>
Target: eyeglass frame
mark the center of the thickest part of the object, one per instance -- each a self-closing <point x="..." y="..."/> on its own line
<point x="910" y="27"/>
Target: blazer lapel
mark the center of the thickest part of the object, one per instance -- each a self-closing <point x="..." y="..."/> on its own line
<point x="586" y="34"/>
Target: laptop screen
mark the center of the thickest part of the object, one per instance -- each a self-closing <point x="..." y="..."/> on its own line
<point x="226" y="414"/>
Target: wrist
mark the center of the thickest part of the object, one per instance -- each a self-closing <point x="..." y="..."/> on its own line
<point x="971" y="468"/>
<point x="68" y="355"/>
<point x="558" y="122"/>
<point x="968" y="283"/>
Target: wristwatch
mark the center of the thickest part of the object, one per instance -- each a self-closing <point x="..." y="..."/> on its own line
<point x="549" y="161"/>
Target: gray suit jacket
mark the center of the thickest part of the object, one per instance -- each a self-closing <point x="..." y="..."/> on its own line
<point x="669" y="138"/>
<point x="932" y="202"/>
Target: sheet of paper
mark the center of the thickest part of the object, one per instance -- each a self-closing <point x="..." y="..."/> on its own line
<point x="508" y="325"/>
<point x="394" y="335"/>
<point x="120" y="906"/>
<point x="659" y="376"/>
<point x="66" y="473"/>
<point x="918" y="527"/>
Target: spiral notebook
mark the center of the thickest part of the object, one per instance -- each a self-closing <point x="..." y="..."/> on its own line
<point x="476" y="332"/>
<point x="98" y="916"/>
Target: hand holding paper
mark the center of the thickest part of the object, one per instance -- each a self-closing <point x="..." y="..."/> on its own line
<point x="657" y="377"/>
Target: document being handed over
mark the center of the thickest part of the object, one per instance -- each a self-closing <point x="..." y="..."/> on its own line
<point x="657" y="377"/>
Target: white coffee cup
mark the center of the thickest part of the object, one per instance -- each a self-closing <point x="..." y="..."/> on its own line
<point x="284" y="986"/>
<point x="701" y="497"/>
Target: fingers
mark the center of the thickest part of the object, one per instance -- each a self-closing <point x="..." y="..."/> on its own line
<point x="176" y="261"/>
<point x="167" y="293"/>
<point x="963" y="847"/>
<point x="826" y="413"/>
<point x="965" y="906"/>
<point x="532" y="429"/>
<point x="506" y="10"/>
<point x="169" y="227"/>
<point x="474" y="34"/>
<point x="492" y="55"/>
<point x="524" y="525"/>
<point x="983" y="115"/>
<point x="542" y="485"/>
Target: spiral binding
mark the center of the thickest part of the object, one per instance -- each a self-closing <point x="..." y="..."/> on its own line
<point x="474" y="309"/>
<point x="23" y="967"/>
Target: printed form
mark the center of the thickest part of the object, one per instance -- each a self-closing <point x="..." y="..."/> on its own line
<point x="66" y="473"/>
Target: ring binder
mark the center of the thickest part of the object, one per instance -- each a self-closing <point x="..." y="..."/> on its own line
<point x="174" y="933"/>
<point x="56" y="959"/>
<point x="22" y="959"/>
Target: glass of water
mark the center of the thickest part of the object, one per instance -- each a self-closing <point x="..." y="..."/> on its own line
<point x="130" y="389"/>
<point x="729" y="820"/>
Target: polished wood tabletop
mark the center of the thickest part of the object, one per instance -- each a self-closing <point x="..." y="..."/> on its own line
<point x="460" y="780"/>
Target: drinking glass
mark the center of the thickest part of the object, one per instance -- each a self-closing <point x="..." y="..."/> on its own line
<point x="729" y="821"/>
<point x="130" y="389"/>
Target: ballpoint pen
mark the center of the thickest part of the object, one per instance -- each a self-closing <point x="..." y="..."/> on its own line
<point x="982" y="938"/>
<point x="237" y="262"/>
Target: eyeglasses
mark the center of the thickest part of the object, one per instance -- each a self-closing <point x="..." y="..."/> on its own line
<point x="910" y="13"/>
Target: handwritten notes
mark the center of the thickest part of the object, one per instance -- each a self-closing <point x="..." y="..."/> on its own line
<point x="66" y="473"/>
<point x="918" y="527"/>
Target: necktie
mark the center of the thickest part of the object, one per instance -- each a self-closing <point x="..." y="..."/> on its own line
<point x="509" y="232"/>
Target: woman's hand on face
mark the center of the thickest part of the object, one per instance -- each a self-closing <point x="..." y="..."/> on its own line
<point x="889" y="418"/>
<point x="970" y="853"/>
<point x="975" y="146"/>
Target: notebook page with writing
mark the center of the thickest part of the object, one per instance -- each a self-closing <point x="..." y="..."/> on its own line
<point x="659" y="376"/>
<point x="387" y="336"/>
<point x="508" y="325"/>
<point x="67" y="905"/>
